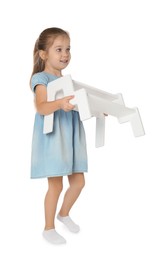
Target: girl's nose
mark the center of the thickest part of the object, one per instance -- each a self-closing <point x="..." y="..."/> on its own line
<point x="66" y="53"/>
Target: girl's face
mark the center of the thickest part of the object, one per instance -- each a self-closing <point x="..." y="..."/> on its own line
<point x="58" y="56"/>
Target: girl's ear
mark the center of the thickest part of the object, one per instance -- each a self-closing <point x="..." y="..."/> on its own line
<point x="42" y="54"/>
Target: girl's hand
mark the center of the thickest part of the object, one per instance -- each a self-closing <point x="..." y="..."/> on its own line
<point x="65" y="105"/>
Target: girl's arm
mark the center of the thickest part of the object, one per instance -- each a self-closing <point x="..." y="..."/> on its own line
<point x="44" y="107"/>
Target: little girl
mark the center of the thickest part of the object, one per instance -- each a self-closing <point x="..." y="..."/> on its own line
<point x="62" y="152"/>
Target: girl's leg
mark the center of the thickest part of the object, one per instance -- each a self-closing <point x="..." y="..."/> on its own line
<point x="51" y="200"/>
<point x="76" y="182"/>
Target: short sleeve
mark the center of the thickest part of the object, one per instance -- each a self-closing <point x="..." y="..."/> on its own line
<point x="39" y="79"/>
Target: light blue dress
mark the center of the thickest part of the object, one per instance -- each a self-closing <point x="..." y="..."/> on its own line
<point x="63" y="151"/>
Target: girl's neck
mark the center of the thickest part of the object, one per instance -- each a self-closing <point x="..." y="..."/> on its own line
<point x="57" y="73"/>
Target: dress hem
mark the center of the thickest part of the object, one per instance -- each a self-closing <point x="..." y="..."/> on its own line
<point x="58" y="175"/>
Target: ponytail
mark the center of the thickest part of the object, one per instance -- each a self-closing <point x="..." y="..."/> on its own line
<point x="38" y="63"/>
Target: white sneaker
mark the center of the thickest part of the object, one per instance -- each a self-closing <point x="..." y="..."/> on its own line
<point x="53" y="237"/>
<point x="69" y="223"/>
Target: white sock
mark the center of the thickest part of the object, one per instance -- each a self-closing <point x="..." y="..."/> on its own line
<point x="69" y="223"/>
<point x="53" y="237"/>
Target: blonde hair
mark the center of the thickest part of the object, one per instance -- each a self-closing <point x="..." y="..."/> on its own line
<point x="44" y="42"/>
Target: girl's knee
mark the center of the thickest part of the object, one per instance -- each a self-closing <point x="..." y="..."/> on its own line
<point x="59" y="187"/>
<point x="81" y="184"/>
<point x="78" y="181"/>
<point x="55" y="184"/>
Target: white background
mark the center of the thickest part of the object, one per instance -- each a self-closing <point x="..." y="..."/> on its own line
<point x="117" y="46"/>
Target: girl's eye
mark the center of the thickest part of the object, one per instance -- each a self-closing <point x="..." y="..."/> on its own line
<point x="59" y="50"/>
